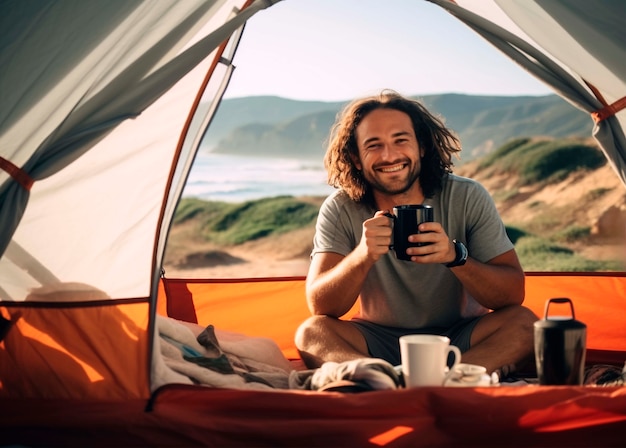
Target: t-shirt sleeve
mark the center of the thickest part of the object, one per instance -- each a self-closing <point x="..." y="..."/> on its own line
<point x="333" y="230"/>
<point x="486" y="233"/>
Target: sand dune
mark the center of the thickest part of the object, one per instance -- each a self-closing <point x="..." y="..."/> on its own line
<point x="284" y="255"/>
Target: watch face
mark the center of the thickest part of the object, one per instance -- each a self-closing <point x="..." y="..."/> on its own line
<point x="463" y="254"/>
<point x="463" y="250"/>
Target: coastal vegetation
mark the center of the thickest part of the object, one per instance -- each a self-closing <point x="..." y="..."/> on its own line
<point x="551" y="231"/>
<point x="543" y="160"/>
<point x="230" y="224"/>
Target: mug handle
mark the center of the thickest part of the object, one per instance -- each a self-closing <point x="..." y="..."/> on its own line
<point x="457" y="359"/>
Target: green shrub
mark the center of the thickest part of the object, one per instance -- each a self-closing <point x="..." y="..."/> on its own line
<point x="555" y="160"/>
<point x="573" y="233"/>
<point x="502" y="151"/>
<point x="531" y="245"/>
<point x="514" y="160"/>
<point x="538" y="254"/>
<point x="543" y="160"/>
<point x="597" y="193"/>
<point x="190" y="208"/>
<point x="251" y="220"/>
<point x="515" y="233"/>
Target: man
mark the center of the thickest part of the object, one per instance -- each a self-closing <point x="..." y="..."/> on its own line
<point x="385" y="151"/>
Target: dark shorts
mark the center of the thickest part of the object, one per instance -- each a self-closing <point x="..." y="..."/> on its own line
<point x="382" y="341"/>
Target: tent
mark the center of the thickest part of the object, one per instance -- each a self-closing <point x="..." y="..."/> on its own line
<point x="99" y="125"/>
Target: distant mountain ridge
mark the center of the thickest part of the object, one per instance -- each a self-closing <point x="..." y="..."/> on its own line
<point x="279" y="127"/>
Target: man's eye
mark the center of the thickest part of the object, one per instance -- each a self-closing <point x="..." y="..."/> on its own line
<point x="373" y="147"/>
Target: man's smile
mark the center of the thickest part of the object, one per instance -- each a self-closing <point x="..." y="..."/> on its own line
<point x="392" y="168"/>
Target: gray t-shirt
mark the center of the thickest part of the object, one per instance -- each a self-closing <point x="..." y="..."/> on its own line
<point x="404" y="294"/>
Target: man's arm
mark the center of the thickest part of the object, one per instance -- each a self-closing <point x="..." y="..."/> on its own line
<point x="494" y="284"/>
<point x="334" y="281"/>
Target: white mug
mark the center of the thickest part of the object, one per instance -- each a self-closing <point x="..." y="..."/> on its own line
<point x="425" y="359"/>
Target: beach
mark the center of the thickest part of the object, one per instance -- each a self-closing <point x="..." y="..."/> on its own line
<point x="286" y="255"/>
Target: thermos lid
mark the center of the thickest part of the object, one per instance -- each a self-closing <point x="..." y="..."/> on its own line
<point x="560" y="322"/>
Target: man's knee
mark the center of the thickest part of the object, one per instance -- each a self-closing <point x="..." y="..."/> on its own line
<point x="520" y="321"/>
<point x="525" y="317"/>
<point x="308" y="332"/>
<point x="324" y="338"/>
<point x="517" y="315"/>
<point x="325" y="333"/>
<point x="515" y="320"/>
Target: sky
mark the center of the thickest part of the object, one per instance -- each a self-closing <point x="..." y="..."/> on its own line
<point x="335" y="50"/>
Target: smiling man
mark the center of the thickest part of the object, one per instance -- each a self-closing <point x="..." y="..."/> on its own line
<point x="467" y="283"/>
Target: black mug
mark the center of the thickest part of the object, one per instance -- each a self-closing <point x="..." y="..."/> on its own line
<point x="406" y="220"/>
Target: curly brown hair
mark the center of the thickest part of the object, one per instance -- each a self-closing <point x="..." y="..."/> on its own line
<point x="438" y="142"/>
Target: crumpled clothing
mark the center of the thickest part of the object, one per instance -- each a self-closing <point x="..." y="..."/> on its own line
<point x="356" y="375"/>
<point x="605" y="375"/>
<point x="191" y="354"/>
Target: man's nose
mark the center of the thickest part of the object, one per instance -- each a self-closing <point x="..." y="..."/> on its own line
<point x="388" y="151"/>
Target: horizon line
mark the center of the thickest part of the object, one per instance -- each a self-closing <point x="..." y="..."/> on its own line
<point x="416" y="95"/>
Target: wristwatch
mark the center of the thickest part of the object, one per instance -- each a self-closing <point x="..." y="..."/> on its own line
<point x="461" y="254"/>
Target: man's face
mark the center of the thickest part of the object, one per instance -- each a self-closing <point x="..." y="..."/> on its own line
<point x="389" y="155"/>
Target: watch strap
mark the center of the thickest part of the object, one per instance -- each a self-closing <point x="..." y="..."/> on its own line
<point x="461" y="254"/>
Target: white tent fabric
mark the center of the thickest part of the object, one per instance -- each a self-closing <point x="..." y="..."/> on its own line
<point x="570" y="45"/>
<point x="95" y="97"/>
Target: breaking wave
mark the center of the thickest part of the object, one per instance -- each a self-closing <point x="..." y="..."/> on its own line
<point x="228" y="178"/>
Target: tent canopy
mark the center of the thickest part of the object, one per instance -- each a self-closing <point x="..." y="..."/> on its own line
<point x="99" y="125"/>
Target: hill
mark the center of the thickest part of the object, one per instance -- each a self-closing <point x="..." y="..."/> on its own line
<point x="562" y="203"/>
<point x="279" y="127"/>
<point x="234" y="113"/>
<point x="564" y="208"/>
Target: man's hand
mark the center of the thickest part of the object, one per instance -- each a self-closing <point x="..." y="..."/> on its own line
<point x="439" y="248"/>
<point x="376" y="236"/>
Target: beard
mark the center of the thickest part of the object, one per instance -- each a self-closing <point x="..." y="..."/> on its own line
<point x="396" y="186"/>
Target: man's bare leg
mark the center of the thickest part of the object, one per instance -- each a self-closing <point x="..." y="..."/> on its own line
<point x="323" y="338"/>
<point x="503" y="340"/>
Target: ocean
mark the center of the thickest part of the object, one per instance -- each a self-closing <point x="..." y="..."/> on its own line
<point x="230" y="178"/>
